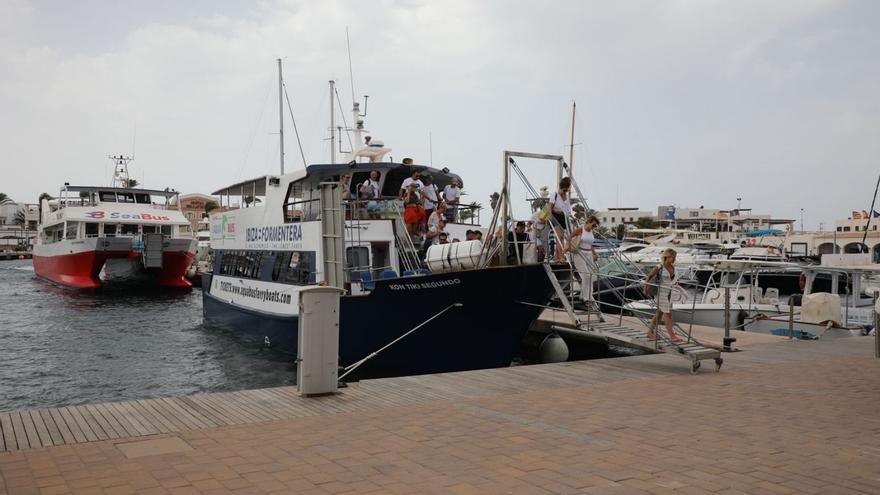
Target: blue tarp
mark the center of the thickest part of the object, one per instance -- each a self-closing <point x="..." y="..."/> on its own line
<point x="754" y="233"/>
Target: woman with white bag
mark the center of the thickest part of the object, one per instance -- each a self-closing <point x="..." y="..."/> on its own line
<point x="585" y="257"/>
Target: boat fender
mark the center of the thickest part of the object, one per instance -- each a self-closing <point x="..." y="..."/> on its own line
<point x="553" y="349"/>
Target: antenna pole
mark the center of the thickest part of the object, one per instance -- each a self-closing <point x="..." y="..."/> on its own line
<point x="332" y="123"/>
<point x="571" y="141"/>
<point x="350" y="71"/>
<point x="281" y="116"/>
<point x="870" y="214"/>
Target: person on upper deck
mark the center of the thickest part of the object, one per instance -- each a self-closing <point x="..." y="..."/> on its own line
<point x="430" y="195"/>
<point x="370" y="188"/>
<point x="414" y="178"/>
<point x="436" y="224"/>
<point x="413" y="211"/>
<point x="561" y="210"/>
<point x="452" y="194"/>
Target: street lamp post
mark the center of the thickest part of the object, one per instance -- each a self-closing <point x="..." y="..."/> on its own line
<point x="802" y="220"/>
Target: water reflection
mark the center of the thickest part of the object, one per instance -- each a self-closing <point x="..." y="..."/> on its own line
<point x="61" y="347"/>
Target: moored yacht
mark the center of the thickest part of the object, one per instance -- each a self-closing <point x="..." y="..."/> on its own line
<point x="94" y="233"/>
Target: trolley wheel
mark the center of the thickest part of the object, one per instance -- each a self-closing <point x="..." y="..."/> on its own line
<point x="718" y="362"/>
<point x="694" y="367"/>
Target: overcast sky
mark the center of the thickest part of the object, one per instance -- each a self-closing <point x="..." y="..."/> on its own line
<point x="679" y="102"/>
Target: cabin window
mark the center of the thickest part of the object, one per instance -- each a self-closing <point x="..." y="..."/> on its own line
<point x="71" y="230"/>
<point x="357" y="260"/>
<point x="125" y="197"/>
<point x="299" y="205"/>
<point x="242" y="264"/>
<point x="52" y="234"/>
<point x="184" y="230"/>
<point x="107" y="197"/>
<point x="142" y="198"/>
<point x="166" y="230"/>
<point x="294" y="267"/>
<point x="91" y="229"/>
<point x="129" y="229"/>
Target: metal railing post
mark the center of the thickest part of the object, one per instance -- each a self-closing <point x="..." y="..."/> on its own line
<point x="876" y="329"/>
<point x="790" y="321"/>
<point x="726" y="341"/>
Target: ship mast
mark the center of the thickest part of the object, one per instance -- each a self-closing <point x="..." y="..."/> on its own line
<point x="571" y="142"/>
<point x="281" y="116"/>
<point x="120" y="170"/>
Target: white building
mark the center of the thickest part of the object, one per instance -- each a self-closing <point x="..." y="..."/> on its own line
<point x="14" y="235"/>
<point x="612" y="217"/>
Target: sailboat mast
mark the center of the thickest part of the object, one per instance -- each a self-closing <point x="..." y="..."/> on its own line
<point x="332" y="123"/>
<point x="571" y="141"/>
<point x="281" y="116"/>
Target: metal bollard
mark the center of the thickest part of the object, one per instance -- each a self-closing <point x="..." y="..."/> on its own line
<point x="876" y="326"/>
<point x="726" y="343"/>
<point x="790" y="320"/>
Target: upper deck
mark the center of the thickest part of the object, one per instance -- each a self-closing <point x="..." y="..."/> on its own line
<point x="114" y="205"/>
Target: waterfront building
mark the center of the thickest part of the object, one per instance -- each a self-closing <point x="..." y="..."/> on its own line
<point x="15" y="236"/>
<point x="193" y="205"/>
<point x="613" y="217"/>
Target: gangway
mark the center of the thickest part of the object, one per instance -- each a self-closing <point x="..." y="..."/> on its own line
<point x="625" y="335"/>
<point x="589" y="322"/>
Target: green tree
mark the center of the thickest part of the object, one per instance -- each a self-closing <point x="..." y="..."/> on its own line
<point x="20" y="219"/>
<point x="620" y="231"/>
<point x="4" y="198"/>
<point x="466" y="214"/>
<point x="250" y="199"/>
<point x="645" y="223"/>
<point x="211" y="205"/>
<point x="132" y="183"/>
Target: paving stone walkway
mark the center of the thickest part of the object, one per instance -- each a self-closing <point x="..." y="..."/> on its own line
<point x="788" y="417"/>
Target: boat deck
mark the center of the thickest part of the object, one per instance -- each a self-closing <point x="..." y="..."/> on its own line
<point x="789" y="416"/>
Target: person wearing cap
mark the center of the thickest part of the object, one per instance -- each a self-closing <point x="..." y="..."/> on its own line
<point x="516" y="243"/>
<point x="452" y="194"/>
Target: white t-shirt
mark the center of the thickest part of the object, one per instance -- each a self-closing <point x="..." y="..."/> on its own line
<point x="451" y="193"/>
<point x="372" y="189"/>
<point x="435" y="223"/>
<point x="561" y="205"/>
<point x="430" y="194"/>
<point x="409" y="180"/>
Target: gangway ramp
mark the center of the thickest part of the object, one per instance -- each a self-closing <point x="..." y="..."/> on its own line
<point x="627" y="336"/>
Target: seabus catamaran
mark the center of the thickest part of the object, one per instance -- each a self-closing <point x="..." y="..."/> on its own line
<point x="95" y="233"/>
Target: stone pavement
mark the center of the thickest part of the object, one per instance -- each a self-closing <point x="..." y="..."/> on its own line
<point x="780" y="418"/>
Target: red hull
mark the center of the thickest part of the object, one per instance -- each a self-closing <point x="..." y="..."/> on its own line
<point x="81" y="270"/>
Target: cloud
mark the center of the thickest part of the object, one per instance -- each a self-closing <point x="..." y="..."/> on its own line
<point x="672" y="96"/>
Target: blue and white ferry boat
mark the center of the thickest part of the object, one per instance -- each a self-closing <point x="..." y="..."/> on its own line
<point x="270" y="248"/>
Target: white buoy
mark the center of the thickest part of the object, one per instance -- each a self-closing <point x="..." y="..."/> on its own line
<point x="553" y="349"/>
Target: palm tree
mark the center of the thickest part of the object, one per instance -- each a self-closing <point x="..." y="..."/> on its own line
<point x="211" y="205"/>
<point x="47" y="197"/>
<point x="466" y="214"/>
<point x="4" y="198"/>
<point x="20" y="219"/>
<point x="132" y="183"/>
<point x="250" y="199"/>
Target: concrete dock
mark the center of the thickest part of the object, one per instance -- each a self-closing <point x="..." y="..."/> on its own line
<point x="781" y="417"/>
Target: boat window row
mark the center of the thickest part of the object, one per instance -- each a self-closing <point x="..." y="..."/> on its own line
<point x="289" y="267"/>
<point x="76" y="230"/>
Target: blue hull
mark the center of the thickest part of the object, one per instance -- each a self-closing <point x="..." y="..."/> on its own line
<point x="484" y="333"/>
